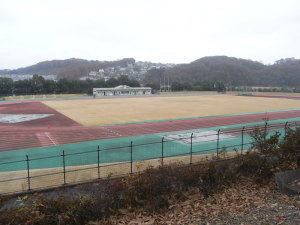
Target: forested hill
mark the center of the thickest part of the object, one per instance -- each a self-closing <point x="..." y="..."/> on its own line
<point x="228" y="70"/>
<point x="68" y="68"/>
<point x="232" y="72"/>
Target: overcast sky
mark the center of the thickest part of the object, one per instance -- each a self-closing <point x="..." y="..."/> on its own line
<point x="175" y="31"/>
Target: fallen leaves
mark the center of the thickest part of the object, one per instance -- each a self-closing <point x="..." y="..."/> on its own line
<point x="242" y="203"/>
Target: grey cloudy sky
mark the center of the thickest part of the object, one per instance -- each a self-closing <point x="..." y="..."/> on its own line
<point x="175" y="31"/>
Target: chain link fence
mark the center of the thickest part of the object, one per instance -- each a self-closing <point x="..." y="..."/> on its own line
<point x="80" y="167"/>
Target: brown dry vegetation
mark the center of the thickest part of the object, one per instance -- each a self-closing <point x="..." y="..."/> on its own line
<point x="245" y="202"/>
<point x="235" y="191"/>
<point x="125" y="110"/>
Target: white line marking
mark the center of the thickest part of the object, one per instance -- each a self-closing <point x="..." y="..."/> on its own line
<point x="47" y="134"/>
<point x="111" y="131"/>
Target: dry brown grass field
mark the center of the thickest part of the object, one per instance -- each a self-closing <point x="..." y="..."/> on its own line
<point x="90" y="112"/>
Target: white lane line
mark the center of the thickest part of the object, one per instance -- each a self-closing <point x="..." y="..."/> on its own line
<point x="48" y="135"/>
<point x="111" y="131"/>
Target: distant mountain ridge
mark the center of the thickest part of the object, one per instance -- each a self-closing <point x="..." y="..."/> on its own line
<point x="45" y="67"/>
<point x="69" y="68"/>
<point x="229" y="70"/>
<point x="232" y="72"/>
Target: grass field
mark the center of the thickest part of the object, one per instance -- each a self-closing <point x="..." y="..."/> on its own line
<point x="127" y="110"/>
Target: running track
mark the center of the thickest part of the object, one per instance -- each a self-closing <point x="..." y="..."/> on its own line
<point x="62" y="130"/>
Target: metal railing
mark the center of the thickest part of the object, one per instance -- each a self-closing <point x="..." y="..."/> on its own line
<point x="80" y="167"/>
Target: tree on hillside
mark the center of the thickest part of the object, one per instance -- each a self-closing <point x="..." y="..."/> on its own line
<point x="155" y="86"/>
<point x="231" y="72"/>
<point x="187" y="86"/>
<point x="112" y="82"/>
<point x="99" y="83"/>
<point x="37" y="84"/>
<point x="220" y="87"/>
<point x="206" y="85"/>
<point x="176" y="86"/>
<point x="6" y="86"/>
<point x="22" y="87"/>
<point x="125" y="80"/>
<point x="50" y="86"/>
<point x="63" y="86"/>
<point x="154" y="75"/>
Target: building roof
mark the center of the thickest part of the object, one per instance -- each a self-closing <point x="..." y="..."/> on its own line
<point x="124" y="87"/>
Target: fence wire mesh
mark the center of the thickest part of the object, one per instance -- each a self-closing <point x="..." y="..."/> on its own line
<point x="52" y="170"/>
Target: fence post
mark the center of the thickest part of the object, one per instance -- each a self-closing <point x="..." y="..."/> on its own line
<point x="162" y="152"/>
<point x="64" y="166"/>
<point x="266" y="125"/>
<point x="285" y="128"/>
<point x="218" y="140"/>
<point x="28" y="174"/>
<point x="98" y="161"/>
<point x="191" y="149"/>
<point x="131" y="157"/>
<point x="242" y="149"/>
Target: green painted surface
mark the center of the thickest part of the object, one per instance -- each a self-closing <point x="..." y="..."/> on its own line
<point x="116" y="150"/>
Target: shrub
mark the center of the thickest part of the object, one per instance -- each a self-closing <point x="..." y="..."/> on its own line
<point x="258" y="166"/>
<point x="216" y="176"/>
<point x="290" y="148"/>
<point x="263" y="144"/>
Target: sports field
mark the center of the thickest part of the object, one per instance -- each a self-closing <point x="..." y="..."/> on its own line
<point x="91" y="112"/>
<point x="51" y="142"/>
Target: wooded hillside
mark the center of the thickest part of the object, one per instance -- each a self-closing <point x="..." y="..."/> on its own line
<point x="69" y="68"/>
<point x="227" y="70"/>
<point x="232" y="72"/>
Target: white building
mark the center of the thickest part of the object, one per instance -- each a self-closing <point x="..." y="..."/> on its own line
<point x="121" y="90"/>
<point x="94" y="73"/>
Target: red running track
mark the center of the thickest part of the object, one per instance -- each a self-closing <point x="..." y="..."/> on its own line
<point x="295" y="97"/>
<point x="63" y="130"/>
<point x="176" y="125"/>
<point x="57" y="120"/>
